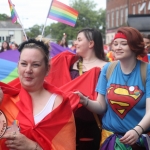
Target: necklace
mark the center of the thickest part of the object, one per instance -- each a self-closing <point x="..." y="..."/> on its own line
<point x="89" y="62"/>
<point x="131" y="88"/>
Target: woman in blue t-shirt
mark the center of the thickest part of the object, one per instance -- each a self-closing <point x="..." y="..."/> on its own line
<point x="122" y="99"/>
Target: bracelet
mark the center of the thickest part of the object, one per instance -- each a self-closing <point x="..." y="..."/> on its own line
<point x="141" y="128"/>
<point x="87" y="98"/>
<point x="136" y="132"/>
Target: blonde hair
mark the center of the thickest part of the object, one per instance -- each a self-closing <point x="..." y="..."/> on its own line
<point x="46" y="41"/>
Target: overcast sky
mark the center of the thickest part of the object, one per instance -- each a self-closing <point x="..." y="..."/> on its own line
<point x="33" y="12"/>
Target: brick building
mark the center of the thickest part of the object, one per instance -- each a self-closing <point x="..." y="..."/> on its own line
<point x="118" y="11"/>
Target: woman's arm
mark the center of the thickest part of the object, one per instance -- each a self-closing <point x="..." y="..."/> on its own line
<point x="18" y="141"/>
<point x="1" y="94"/>
<point x="132" y="135"/>
<point x="98" y="106"/>
<point x="145" y="122"/>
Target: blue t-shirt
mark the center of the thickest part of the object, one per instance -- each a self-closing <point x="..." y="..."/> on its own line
<point x="125" y="97"/>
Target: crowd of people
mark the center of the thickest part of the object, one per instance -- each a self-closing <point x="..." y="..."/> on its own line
<point x="80" y="101"/>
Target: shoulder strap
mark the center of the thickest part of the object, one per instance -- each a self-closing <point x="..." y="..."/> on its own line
<point x="143" y="70"/>
<point x="111" y="69"/>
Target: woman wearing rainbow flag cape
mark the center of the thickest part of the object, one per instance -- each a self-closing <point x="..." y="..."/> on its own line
<point x="44" y="114"/>
<point x="70" y="72"/>
<point x="123" y="99"/>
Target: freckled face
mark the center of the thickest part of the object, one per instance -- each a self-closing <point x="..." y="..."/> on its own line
<point x="122" y="49"/>
<point x="32" y="69"/>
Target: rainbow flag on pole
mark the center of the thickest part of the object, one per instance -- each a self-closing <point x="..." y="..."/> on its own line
<point x="63" y="13"/>
<point x="14" y="15"/>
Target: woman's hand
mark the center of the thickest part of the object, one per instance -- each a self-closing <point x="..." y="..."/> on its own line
<point x="1" y="95"/>
<point x="83" y="99"/>
<point x="18" y="141"/>
<point x="130" y="137"/>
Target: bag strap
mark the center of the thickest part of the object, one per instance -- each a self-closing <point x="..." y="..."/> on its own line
<point x="111" y="69"/>
<point x="94" y="114"/>
<point x="143" y="70"/>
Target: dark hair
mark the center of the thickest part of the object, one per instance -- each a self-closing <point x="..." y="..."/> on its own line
<point x="144" y="35"/>
<point x="134" y="39"/>
<point x="32" y="43"/>
<point x="95" y="35"/>
<point x="8" y="47"/>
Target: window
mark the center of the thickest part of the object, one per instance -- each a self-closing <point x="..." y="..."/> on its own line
<point x="139" y="6"/>
<point x="8" y="39"/>
<point x="1" y="38"/>
<point x="142" y="7"/>
<point x="121" y="18"/>
<point x="11" y="33"/>
<point x="108" y="21"/>
<point x="126" y="15"/>
<point x="148" y="6"/>
<point x="112" y="19"/>
<point x="133" y="10"/>
<point x="117" y="18"/>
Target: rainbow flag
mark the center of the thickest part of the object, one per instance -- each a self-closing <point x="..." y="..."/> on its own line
<point x="62" y="13"/>
<point x="8" y="65"/>
<point x="14" y="15"/>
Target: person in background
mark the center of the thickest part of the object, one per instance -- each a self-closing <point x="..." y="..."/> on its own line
<point x="64" y="42"/>
<point x="5" y="46"/>
<point x="80" y="71"/>
<point x="146" y="42"/>
<point x="123" y="99"/>
<point x="146" y="39"/>
<point x="14" y="46"/>
<point x="73" y="47"/>
<point x="44" y="114"/>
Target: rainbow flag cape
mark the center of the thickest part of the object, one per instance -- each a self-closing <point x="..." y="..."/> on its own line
<point x="14" y="15"/>
<point x="56" y="131"/>
<point x="62" y="13"/>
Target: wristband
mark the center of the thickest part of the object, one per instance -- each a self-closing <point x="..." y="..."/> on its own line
<point x="136" y="132"/>
<point x="141" y="128"/>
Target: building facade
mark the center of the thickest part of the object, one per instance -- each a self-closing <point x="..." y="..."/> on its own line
<point x="10" y="32"/>
<point x="117" y="12"/>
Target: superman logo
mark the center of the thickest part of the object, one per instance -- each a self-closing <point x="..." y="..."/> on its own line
<point x="123" y="98"/>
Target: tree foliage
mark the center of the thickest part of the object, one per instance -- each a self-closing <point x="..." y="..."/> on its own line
<point x="34" y="31"/>
<point x="4" y="17"/>
<point x="88" y="17"/>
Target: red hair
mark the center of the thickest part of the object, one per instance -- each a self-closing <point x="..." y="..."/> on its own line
<point x="134" y="39"/>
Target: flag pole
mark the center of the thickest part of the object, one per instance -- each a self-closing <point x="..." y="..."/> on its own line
<point x="20" y="21"/>
<point x="46" y="19"/>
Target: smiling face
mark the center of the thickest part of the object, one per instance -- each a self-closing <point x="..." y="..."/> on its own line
<point x="4" y="45"/>
<point x="122" y="49"/>
<point x="32" y="69"/>
<point x="82" y="44"/>
<point x="13" y="47"/>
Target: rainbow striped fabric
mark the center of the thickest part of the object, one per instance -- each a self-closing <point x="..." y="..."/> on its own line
<point x="9" y="61"/>
<point x="14" y="15"/>
<point x="8" y="65"/>
<point x="63" y="13"/>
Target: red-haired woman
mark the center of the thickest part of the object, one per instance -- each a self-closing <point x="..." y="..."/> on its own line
<point x="123" y="99"/>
